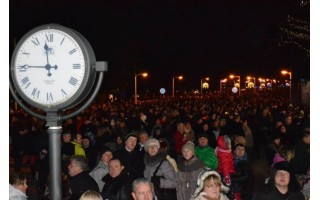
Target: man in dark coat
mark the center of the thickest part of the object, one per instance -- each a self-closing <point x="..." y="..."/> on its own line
<point x="282" y="185"/>
<point x="130" y="158"/>
<point x="80" y="180"/>
<point x="115" y="187"/>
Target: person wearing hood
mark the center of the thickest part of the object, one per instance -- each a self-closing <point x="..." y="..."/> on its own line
<point x="102" y="169"/>
<point x="210" y="186"/>
<point x="18" y="187"/>
<point x="282" y="185"/>
<point x="159" y="170"/>
<point x="225" y="157"/>
<point x="189" y="168"/>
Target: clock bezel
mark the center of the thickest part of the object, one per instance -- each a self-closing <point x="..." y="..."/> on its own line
<point x="89" y="73"/>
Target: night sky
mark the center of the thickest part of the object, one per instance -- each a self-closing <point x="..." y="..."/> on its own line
<point x="194" y="38"/>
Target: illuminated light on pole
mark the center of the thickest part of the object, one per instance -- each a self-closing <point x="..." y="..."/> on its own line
<point x="232" y="77"/>
<point x="135" y="86"/>
<point x="201" y="83"/>
<point x="254" y="81"/>
<point x="222" y="81"/>
<point x="284" y="72"/>
<point x="179" y="78"/>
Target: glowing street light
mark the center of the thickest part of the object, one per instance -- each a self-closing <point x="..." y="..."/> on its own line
<point x="232" y="77"/>
<point x="201" y="83"/>
<point x="254" y="81"/>
<point x="284" y="72"/>
<point x="135" y="86"/>
<point x="222" y="81"/>
<point x="179" y="78"/>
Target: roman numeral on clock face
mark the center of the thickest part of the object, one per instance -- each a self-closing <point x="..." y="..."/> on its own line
<point x="35" y="93"/>
<point x="49" y="37"/>
<point x="73" y="81"/>
<point x="36" y="41"/>
<point x="76" y="66"/>
<point x="25" y="81"/>
<point x="72" y="51"/>
<point x="49" y="96"/>
<point x="63" y="92"/>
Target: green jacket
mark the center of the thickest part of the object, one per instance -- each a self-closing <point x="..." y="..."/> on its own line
<point x="206" y="154"/>
<point x="78" y="150"/>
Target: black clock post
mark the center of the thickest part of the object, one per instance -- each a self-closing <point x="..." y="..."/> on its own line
<point x="54" y="119"/>
<point x="72" y="80"/>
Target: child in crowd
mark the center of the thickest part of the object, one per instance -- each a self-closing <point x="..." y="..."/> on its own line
<point x="225" y="158"/>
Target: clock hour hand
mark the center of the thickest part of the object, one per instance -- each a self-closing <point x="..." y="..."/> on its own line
<point x="24" y="68"/>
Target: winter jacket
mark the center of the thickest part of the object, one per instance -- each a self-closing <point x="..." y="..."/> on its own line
<point x="116" y="188"/>
<point x="202" y="195"/>
<point x="15" y="194"/>
<point x="98" y="173"/>
<point x="132" y="162"/>
<point x="78" y="150"/>
<point x="225" y="157"/>
<point x="187" y="177"/>
<point x="166" y="170"/>
<point x="206" y="154"/>
<point x="272" y="193"/>
<point x="80" y="183"/>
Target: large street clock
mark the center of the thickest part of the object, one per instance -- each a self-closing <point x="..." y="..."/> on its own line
<point x="52" y="67"/>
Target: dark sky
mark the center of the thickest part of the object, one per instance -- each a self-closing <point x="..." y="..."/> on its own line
<point x="165" y="37"/>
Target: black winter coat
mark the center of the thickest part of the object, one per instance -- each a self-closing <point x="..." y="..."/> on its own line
<point x="272" y="193"/>
<point x="116" y="188"/>
<point x="81" y="183"/>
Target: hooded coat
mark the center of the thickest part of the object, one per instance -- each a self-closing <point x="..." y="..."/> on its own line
<point x="187" y="177"/>
<point x="225" y="158"/>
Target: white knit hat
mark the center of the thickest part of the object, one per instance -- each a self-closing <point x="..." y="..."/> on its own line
<point x="150" y="142"/>
<point x="203" y="175"/>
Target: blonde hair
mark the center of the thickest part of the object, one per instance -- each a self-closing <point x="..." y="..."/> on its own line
<point x="91" y="195"/>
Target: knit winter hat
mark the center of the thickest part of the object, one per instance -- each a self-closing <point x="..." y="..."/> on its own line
<point x="151" y="142"/>
<point x="130" y="135"/>
<point x="103" y="150"/>
<point x="189" y="145"/>
<point x="203" y="175"/>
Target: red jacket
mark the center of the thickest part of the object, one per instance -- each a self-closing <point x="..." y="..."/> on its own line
<point x="225" y="158"/>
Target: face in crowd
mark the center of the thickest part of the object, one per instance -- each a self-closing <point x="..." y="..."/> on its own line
<point x="115" y="168"/>
<point x="153" y="150"/>
<point x="212" y="187"/>
<point x="143" y="191"/>
<point x="131" y="143"/>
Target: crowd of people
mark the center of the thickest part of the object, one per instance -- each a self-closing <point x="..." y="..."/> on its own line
<point x="188" y="147"/>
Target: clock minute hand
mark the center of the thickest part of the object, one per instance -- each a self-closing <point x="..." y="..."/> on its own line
<point x="47" y="49"/>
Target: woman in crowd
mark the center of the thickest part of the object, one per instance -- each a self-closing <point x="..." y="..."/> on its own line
<point x="159" y="170"/>
<point x="210" y="186"/>
<point x="189" y="169"/>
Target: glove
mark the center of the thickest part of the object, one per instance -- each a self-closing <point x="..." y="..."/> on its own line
<point x="227" y="180"/>
<point x="155" y="180"/>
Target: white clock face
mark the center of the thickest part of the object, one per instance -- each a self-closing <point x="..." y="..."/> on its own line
<point x="49" y="67"/>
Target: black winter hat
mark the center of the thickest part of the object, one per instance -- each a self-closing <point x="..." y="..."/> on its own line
<point x="104" y="149"/>
<point x="203" y="135"/>
<point x="130" y="135"/>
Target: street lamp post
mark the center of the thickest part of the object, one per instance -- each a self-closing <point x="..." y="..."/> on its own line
<point x="135" y="86"/>
<point x="284" y="72"/>
<point x="233" y="76"/>
<point x="201" y="83"/>
<point x="254" y="81"/>
<point x="222" y="81"/>
<point x="178" y="77"/>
